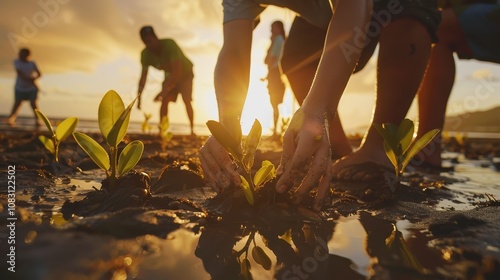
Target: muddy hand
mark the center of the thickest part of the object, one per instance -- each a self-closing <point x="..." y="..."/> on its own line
<point x="220" y="172"/>
<point x="306" y="147"/>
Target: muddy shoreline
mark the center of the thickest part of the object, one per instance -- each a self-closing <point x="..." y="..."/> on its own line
<point x="181" y="230"/>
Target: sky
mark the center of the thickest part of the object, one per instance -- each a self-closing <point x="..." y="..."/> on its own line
<point x="85" y="48"/>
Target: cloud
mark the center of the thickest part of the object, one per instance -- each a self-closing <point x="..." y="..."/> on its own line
<point x="70" y="35"/>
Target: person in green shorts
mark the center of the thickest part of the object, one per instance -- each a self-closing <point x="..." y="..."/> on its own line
<point x="166" y="55"/>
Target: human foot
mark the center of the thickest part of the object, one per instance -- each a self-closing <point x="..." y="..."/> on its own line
<point x="362" y="166"/>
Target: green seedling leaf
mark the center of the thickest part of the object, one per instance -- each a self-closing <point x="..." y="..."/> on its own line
<point x="45" y="120"/>
<point x="264" y="174"/>
<point x="110" y="109"/>
<point x="120" y="127"/>
<point x="130" y="156"/>
<point x="251" y="144"/>
<point x="66" y="128"/>
<point x="245" y="273"/>
<point x="387" y="136"/>
<point x="391" y="155"/>
<point x="47" y="143"/>
<point x="417" y="146"/>
<point x="261" y="257"/>
<point x="405" y="134"/>
<point x="247" y="191"/>
<point x="225" y="139"/>
<point x="95" y="151"/>
<point x="165" y="124"/>
<point x="397" y="246"/>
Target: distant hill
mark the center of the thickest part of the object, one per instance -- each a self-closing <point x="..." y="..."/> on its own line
<point x="479" y="121"/>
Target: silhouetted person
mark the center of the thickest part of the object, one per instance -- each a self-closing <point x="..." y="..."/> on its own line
<point x="166" y="55"/>
<point x="275" y="84"/>
<point x="25" y="87"/>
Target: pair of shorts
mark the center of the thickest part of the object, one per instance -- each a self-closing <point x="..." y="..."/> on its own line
<point x="184" y="87"/>
<point x="317" y="12"/>
<point x="30" y="95"/>
<point x="385" y="11"/>
<point x="297" y="51"/>
<point x="275" y="86"/>
<point x="481" y="31"/>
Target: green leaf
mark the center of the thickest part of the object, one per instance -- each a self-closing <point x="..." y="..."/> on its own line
<point x="397" y="246"/>
<point x="225" y="139"/>
<point x="165" y="124"/>
<point x="95" y="151"/>
<point x="120" y="127"/>
<point x="405" y="134"/>
<point x="247" y="191"/>
<point x="66" y="128"/>
<point x="261" y="257"/>
<point x="251" y="144"/>
<point x="110" y="109"/>
<point x="391" y="155"/>
<point x="130" y="156"/>
<point x="47" y="143"/>
<point x="264" y="174"/>
<point x="45" y="120"/>
<point x="387" y="136"/>
<point x="417" y="146"/>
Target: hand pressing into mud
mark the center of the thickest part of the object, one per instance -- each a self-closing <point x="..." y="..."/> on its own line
<point x="306" y="150"/>
<point x="220" y="171"/>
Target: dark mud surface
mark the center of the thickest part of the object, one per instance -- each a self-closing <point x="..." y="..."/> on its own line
<point x="164" y="223"/>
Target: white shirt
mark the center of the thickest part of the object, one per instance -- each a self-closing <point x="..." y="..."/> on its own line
<point x="28" y="69"/>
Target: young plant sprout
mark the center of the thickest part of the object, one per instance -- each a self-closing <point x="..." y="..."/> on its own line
<point x="244" y="157"/>
<point x="146" y="127"/>
<point x="165" y="134"/>
<point x="62" y="131"/>
<point x="258" y="254"/>
<point x="399" y="145"/>
<point x="113" y="119"/>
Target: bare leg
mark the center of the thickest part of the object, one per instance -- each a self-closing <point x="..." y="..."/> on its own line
<point x="276" y="116"/>
<point x="404" y="50"/>
<point x="190" y="113"/>
<point x="15" y="110"/>
<point x="34" y="106"/>
<point x="437" y="85"/>
<point x="163" y="109"/>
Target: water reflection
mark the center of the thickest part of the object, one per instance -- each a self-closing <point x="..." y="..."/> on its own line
<point x="306" y="250"/>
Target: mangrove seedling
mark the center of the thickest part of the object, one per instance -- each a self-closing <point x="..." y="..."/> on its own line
<point x="62" y="131"/>
<point x="399" y="145"/>
<point x="113" y="119"/>
<point x="145" y="126"/>
<point x="165" y="134"/>
<point x="244" y="156"/>
<point x="258" y="254"/>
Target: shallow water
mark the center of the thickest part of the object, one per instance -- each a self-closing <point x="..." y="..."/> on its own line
<point x="347" y="247"/>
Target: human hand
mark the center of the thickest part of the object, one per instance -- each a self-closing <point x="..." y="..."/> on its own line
<point x="306" y="149"/>
<point x="159" y="96"/>
<point x="220" y="171"/>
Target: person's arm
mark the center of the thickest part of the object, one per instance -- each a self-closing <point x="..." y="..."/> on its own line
<point x="142" y="83"/>
<point x="306" y="139"/>
<point x="232" y="72"/>
<point x="231" y="79"/>
<point x="174" y="77"/>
